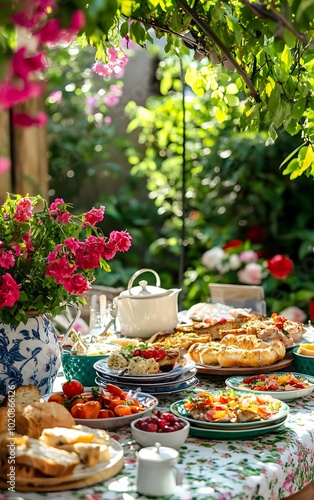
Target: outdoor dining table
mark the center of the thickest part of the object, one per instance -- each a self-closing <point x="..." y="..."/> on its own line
<point x="269" y="467"/>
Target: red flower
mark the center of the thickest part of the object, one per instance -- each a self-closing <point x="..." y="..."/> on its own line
<point x="280" y="266"/>
<point x="311" y="311"/>
<point x="232" y="244"/>
<point x="255" y="234"/>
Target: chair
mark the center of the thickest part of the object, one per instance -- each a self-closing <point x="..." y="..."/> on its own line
<point x="93" y="300"/>
<point x="240" y="296"/>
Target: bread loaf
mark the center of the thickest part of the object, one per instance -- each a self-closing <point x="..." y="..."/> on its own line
<point x="205" y="354"/>
<point x="24" y="395"/>
<point x="34" y="418"/>
<point x="233" y="356"/>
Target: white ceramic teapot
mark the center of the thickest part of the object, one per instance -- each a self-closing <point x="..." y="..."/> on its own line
<point x="157" y="473"/>
<point x="145" y="309"/>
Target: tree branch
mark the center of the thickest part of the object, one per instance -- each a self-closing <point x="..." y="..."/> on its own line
<point x="208" y="31"/>
<point x="274" y="15"/>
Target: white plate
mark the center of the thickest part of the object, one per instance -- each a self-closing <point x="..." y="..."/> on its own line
<point x="289" y="395"/>
<point x="145" y="399"/>
<point x="158" y="390"/>
<point x="102" y="367"/>
<point x="146" y="386"/>
<point x="81" y="471"/>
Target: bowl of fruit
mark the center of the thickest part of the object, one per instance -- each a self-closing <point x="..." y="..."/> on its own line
<point x="160" y="427"/>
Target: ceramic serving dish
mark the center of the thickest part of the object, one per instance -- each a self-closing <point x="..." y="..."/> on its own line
<point x="287" y="395"/>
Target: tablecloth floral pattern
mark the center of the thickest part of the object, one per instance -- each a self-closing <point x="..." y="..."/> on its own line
<point x="269" y="467"/>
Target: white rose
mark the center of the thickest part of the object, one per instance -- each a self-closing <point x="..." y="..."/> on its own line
<point x="234" y="262"/>
<point x="294" y="314"/>
<point x="211" y="258"/>
<point x="251" y="274"/>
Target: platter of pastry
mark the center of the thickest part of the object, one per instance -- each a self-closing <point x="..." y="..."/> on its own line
<point x="246" y="370"/>
<point x="241" y="343"/>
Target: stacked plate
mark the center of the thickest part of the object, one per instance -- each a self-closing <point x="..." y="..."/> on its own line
<point x="180" y="378"/>
<point x="233" y="430"/>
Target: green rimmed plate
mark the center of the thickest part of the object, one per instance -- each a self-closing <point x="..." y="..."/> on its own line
<point x="178" y="409"/>
<point x="289" y="395"/>
<point x="236" y="434"/>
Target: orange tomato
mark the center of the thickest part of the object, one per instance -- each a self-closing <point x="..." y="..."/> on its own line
<point x="77" y="401"/>
<point x="115" y="402"/>
<point x="57" y="398"/>
<point x="106" y="414"/>
<point x="77" y="410"/>
<point x="91" y="409"/>
<point x="134" y="408"/>
<point x="122" y="410"/>
<point x="114" y="389"/>
<point x="123" y="395"/>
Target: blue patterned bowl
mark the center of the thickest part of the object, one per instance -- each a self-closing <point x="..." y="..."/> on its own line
<point x="303" y="364"/>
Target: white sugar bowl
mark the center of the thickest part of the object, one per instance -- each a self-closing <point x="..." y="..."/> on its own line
<point x="157" y="473"/>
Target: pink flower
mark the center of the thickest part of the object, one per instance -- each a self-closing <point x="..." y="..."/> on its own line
<point x="251" y="274"/>
<point x="22" y="66"/>
<point x="93" y="216"/>
<point x="24" y="210"/>
<point x="77" y="21"/>
<point x="90" y="252"/>
<point x="122" y="240"/>
<point x="60" y="269"/>
<point x="77" y="284"/>
<point x="248" y="256"/>
<point x="111" y="100"/>
<point x="5" y="164"/>
<point x="50" y="32"/>
<point x="56" y="206"/>
<point x="64" y="218"/>
<point x="110" y="250"/>
<point x="55" y="96"/>
<point x="9" y="291"/>
<point x="31" y="13"/>
<point x="12" y="94"/>
<point x="26" y="120"/>
<point x="7" y="259"/>
<point x="294" y="314"/>
<point x="72" y="244"/>
<point x="101" y="69"/>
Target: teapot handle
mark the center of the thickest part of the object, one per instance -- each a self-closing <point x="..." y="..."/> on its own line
<point x="141" y="271"/>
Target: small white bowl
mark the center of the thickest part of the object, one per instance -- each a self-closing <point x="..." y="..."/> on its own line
<point x="173" y="439"/>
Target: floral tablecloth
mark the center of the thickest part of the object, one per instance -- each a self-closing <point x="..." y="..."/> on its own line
<point x="269" y="467"/>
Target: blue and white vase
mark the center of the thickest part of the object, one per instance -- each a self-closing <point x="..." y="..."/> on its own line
<point x="29" y="354"/>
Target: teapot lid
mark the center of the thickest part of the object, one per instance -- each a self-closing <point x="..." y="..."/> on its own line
<point x="144" y="290"/>
<point x="158" y="453"/>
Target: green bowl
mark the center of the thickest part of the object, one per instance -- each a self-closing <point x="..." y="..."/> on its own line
<point x="80" y="368"/>
<point x="303" y="364"/>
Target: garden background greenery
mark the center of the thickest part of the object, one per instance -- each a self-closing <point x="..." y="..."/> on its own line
<point x="234" y="188"/>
